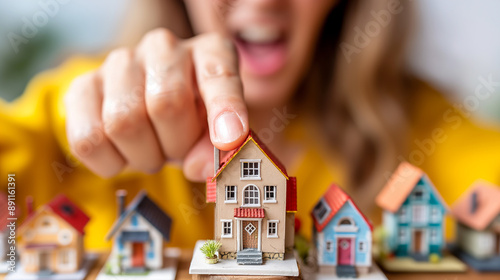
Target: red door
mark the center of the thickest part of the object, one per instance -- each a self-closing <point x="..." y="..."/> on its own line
<point x="345" y="249"/>
<point x="137" y="254"/>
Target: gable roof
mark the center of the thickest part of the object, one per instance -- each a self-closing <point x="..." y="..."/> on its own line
<point x="64" y="208"/>
<point x="488" y="205"/>
<point x="335" y="197"/>
<point x="400" y="185"/>
<point x="144" y="206"/>
<point x="251" y="137"/>
<point x="291" y="184"/>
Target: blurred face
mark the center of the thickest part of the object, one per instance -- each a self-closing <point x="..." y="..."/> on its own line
<point x="275" y="39"/>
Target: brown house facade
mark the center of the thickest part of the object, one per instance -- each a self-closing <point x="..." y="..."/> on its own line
<point x="255" y="203"/>
<point x="52" y="238"/>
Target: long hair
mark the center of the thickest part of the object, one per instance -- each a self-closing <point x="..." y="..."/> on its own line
<point x="358" y="89"/>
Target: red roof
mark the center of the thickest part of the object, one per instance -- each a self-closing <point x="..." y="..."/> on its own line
<point x="211" y="189"/>
<point x="335" y="197"/>
<point x="248" y="213"/>
<point x="291" y="194"/>
<point x="4" y="212"/>
<point x="67" y="210"/>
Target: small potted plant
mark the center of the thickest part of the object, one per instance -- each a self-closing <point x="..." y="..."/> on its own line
<point x="210" y="249"/>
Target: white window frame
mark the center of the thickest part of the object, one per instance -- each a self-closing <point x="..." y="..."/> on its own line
<point x="346" y="228"/>
<point x="327" y="213"/>
<point x="403" y="214"/>
<point x="222" y="234"/>
<point x="363" y="246"/>
<point x="71" y="259"/>
<point x="276" y="222"/>
<point x="424" y="212"/>
<point x="403" y="235"/>
<point x="243" y="204"/>
<point x="65" y="236"/>
<point x="266" y="187"/>
<point x="435" y="214"/>
<point x="235" y="200"/>
<point x="253" y="177"/>
<point x="329" y="249"/>
<point x="434" y="238"/>
<point x="53" y="228"/>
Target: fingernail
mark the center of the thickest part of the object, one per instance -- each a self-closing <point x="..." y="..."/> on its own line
<point x="228" y="127"/>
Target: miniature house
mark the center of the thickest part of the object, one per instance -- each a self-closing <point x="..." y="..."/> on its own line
<point x="477" y="213"/>
<point x="342" y="234"/>
<point x="255" y="204"/>
<point x="52" y="237"/>
<point x="413" y="214"/>
<point x="138" y="235"/>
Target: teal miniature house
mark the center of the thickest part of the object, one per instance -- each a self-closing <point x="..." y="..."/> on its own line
<point x="413" y="214"/>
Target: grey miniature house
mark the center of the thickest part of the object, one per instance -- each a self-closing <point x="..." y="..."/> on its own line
<point x="138" y="235"/>
<point x="477" y="213"/>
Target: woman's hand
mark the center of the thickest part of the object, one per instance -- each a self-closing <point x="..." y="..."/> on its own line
<point x="151" y="104"/>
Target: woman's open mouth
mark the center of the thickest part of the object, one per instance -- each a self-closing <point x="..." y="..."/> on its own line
<point x="262" y="48"/>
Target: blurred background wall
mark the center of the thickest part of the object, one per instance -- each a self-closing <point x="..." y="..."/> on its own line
<point x="454" y="46"/>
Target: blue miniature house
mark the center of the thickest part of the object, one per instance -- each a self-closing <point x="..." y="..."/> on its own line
<point x="138" y="235"/>
<point x="342" y="234"/>
<point x="413" y="214"/>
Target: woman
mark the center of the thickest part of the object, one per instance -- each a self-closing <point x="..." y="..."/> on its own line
<point x="323" y="84"/>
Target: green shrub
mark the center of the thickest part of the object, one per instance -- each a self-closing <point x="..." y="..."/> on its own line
<point x="210" y="248"/>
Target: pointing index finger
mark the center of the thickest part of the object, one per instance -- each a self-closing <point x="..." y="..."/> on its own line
<point x="216" y="68"/>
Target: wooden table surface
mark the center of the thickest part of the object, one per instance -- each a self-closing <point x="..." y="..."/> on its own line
<point x="185" y="259"/>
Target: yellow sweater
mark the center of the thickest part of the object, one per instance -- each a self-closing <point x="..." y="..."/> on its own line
<point x="33" y="146"/>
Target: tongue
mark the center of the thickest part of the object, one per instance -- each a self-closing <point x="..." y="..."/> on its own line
<point x="262" y="59"/>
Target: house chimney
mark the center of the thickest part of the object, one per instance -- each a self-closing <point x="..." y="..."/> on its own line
<point x="29" y="205"/>
<point x="216" y="160"/>
<point x="474" y="203"/>
<point x="120" y="200"/>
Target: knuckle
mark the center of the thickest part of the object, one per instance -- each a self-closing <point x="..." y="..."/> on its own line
<point x="80" y="85"/>
<point x="124" y="122"/>
<point x="85" y="145"/>
<point x="119" y="57"/>
<point x="160" y="37"/>
<point x="169" y="103"/>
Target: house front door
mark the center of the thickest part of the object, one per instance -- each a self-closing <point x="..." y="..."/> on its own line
<point x="345" y="251"/>
<point x="250" y="234"/>
<point x="417" y="241"/>
<point x="138" y="254"/>
<point x="44" y="261"/>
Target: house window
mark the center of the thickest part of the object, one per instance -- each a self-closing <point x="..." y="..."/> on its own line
<point x="250" y="169"/>
<point x="270" y="193"/>
<point x="47" y="225"/>
<point x="321" y="211"/>
<point x="230" y="194"/>
<point x="134" y="221"/>
<point x="434" y="236"/>
<point x="345" y="222"/>
<point x="419" y="214"/>
<point x="403" y="213"/>
<point x="418" y="195"/>
<point x="329" y="246"/>
<point x="402" y="236"/>
<point x="272" y="229"/>
<point x="435" y="215"/>
<point x="65" y="236"/>
<point x="362" y="247"/>
<point x="67" y="259"/>
<point x="227" y="229"/>
<point x="251" y="196"/>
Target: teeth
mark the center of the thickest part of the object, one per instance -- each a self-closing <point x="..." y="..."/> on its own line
<point x="260" y="34"/>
